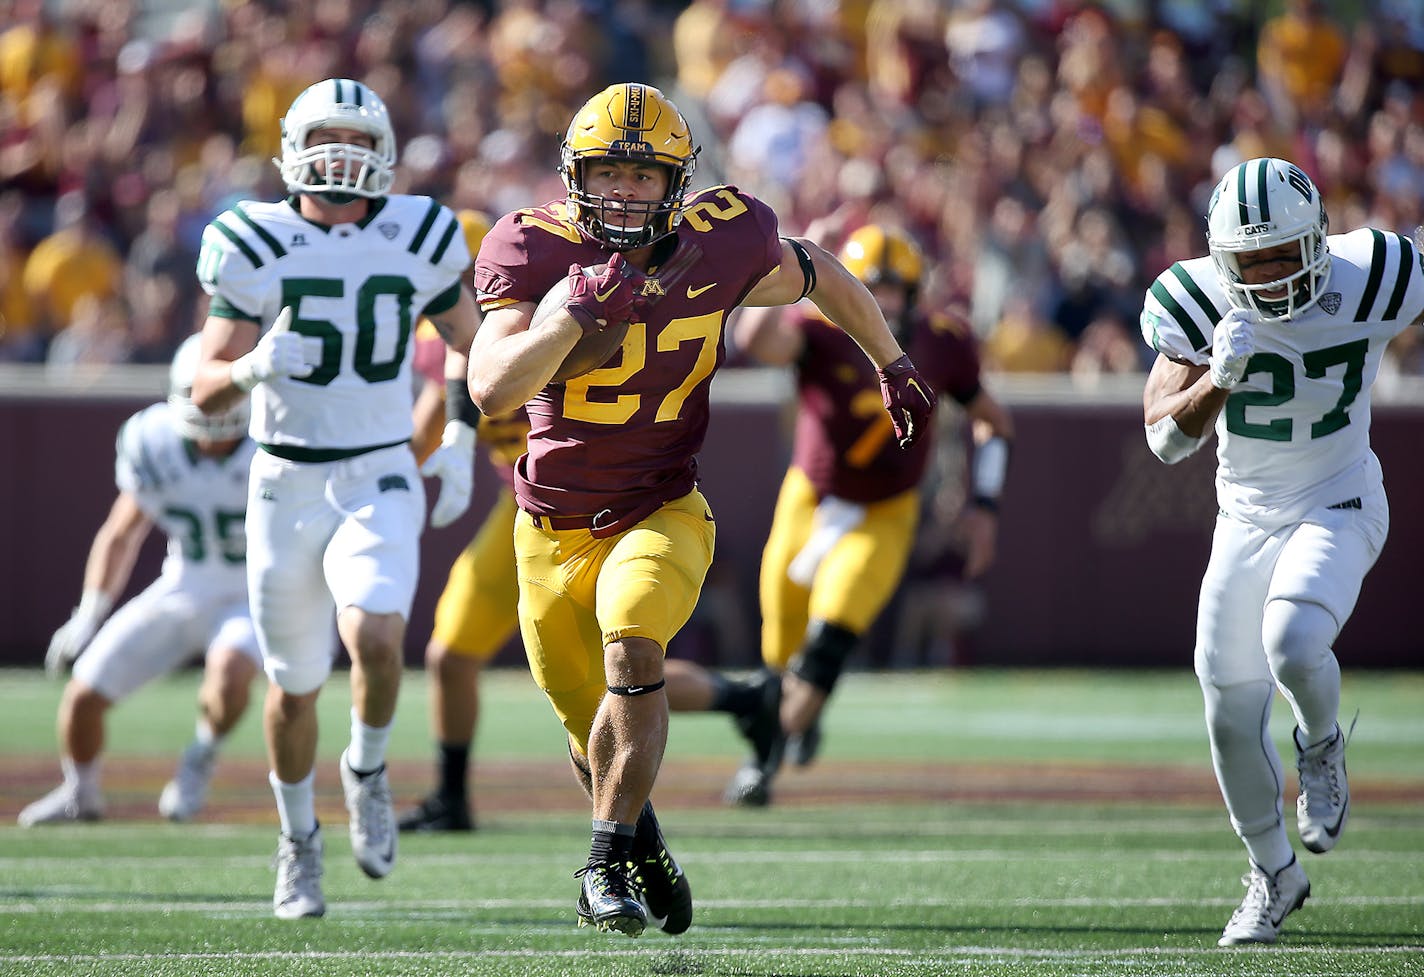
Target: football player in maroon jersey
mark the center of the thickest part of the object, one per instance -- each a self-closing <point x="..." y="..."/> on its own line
<point x="848" y="508"/>
<point x="613" y="538"/>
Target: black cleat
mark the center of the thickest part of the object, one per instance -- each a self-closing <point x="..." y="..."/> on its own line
<point x="666" y="892"/>
<point x="437" y="813"/>
<point x="761" y="726"/>
<point x="608" y="899"/>
<point x="802" y="749"/>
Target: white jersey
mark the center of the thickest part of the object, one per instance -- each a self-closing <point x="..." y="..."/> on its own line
<point x="356" y="290"/>
<point x="198" y="502"/>
<point x="1294" y="433"/>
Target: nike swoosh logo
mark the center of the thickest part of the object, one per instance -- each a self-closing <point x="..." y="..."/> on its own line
<point x="608" y="294"/>
<point x="692" y="293"/>
<point x="708" y="517"/>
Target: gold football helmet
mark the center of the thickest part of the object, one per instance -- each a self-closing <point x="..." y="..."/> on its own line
<point x="878" y="255"/>
<point x="628" y="122"/>
<point x="881" y="255"/>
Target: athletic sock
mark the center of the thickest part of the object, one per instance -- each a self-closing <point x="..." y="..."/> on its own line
<point x="367" y="752"/>
<point x="296" y="805"/>
<point x="453" y="770"/>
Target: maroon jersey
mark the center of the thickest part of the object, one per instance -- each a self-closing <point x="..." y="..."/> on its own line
<point x="845" y="442"/>
<point x="625" y="436"/>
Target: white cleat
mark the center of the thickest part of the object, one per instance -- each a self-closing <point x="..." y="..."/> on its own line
<point x="1323" y="805"/>
<point x="1269" y="900"/>
<point x="298" y="894"/>
<point x="62" y="804"/>
<point x="373" y="819"/>
<point x="187" y="793"/>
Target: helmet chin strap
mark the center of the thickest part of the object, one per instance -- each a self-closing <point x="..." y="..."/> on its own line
<point x="338" y="198"/>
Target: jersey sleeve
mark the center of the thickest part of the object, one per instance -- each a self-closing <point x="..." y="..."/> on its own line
<point x="443" y="242"/>
<point x="1394" y="290"/>
<point x="136" y="468"/>
<point x="231" y="262"/>
<point x="1179" y="313"/>
<point x="512" y="264"/>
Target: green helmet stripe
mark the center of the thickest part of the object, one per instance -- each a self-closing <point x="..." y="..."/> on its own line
<point x="1241" y="203"/>
<point x="1265" y="201"/>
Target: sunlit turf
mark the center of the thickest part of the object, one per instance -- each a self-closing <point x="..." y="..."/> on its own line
<point x="999" y="823"/>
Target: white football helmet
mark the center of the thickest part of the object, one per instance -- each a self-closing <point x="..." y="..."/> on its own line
<point x="189" y="421"/>
<point x="347" y="171"/>
<point x="1260" y="204"/>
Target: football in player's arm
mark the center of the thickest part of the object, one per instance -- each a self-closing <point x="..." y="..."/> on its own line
<point x="314" y="301"/>
<point x="613" y="537"/>
<point x="1273" y="341"/>
<point x="186" y="473"/>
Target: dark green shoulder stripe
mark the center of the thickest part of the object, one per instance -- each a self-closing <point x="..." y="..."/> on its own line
<point x="261" y="232"/>
<point x="419" y="241"/>
<point x="1164" y="297"/>
<point x="1367" y="301"/>
<point x="238" y="243"/>
<point x="1213" y="314"/>
<point x="1401" y="277"/>
<point x="445" y="240"/>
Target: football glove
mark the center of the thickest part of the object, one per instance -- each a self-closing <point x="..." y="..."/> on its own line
<point x="599" y="300"/>
<point x="75" y="634"/>
<point x="908" y="398"/>
<point x="1232" y="344"/>
<point x="279" y="353"/>
<point x="454" y="464"/>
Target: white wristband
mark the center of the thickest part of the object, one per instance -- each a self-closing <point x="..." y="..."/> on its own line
<point x="1169" y="442"/>
<point x="244" y="374"/>
<point x="94" y="604"/>
<point x="991" y="464"/>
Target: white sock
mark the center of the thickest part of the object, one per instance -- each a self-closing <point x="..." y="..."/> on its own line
<point x="367" y="752"/>
<point x="83" y="776"/>
<point x="296" y="805"/>
<point x="1270" y="849"/>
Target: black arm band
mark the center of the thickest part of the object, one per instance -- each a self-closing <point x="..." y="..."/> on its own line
<point x="808" y="267"/>
<point x="458" y="405"/>
<point x="632" y="690"/>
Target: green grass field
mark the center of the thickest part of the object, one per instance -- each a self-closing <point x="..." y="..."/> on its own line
<point x="965" y="823"/>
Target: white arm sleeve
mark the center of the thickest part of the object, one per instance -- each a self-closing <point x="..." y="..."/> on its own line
<point x="1170" y="443"/>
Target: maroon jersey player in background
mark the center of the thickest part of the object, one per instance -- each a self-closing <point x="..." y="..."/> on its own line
<point x="849" y="506"/>
<point x="613" y="539"/>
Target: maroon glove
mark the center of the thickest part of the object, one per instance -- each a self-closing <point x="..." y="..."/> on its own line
<point x="908" y="398"/>
<point x="599" y="300"/>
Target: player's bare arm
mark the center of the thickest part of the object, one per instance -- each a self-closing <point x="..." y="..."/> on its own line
<point x="116" y="547"/>
<point x="837" y="293"/>
<point x="224" y="340"/>
<point x="457" y="325"/>
<point x="510" y="363"/>
<point x="1183" y="391"/>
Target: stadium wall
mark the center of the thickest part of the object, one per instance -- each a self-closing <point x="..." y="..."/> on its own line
<point x="1101" y="546"/>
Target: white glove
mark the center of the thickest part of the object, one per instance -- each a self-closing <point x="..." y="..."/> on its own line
<point x="279" y="353"/>
<point x="454" y="464"/>
<point x="1232" y="344"/>
<point x="834" y="518"/>
<point x="76" y="633"/>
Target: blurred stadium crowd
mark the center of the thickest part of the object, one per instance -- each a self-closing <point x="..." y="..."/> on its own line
<point x="1051" y="156"/>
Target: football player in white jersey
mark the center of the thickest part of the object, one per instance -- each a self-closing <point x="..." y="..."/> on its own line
<point x="186" y="473"/>
<point x="1275" y="340"/>
<point x="314" y="302"/>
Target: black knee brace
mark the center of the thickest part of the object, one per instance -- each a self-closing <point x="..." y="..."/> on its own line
<point x="824" y="655"/>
